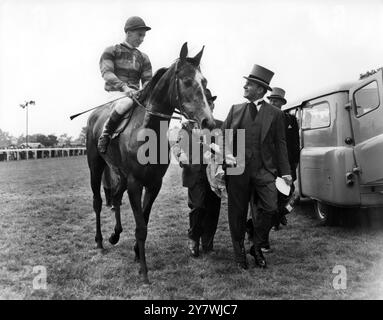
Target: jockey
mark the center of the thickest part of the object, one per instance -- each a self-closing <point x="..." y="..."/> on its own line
<point x="123" y="66"/>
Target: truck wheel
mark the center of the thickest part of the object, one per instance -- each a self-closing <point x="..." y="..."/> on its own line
<point x="326" y="214"/>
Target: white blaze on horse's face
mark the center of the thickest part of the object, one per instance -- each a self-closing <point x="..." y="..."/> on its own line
<point x="194" y="100"/>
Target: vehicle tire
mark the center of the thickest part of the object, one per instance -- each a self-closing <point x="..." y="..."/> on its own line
<point x="326" y="214"/>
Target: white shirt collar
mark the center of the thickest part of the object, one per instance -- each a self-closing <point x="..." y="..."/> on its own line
<point x="128" y="45"/>
<point x="258" y="103"/>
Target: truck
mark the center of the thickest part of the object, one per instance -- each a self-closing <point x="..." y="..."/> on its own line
<point x="341" y="140"/>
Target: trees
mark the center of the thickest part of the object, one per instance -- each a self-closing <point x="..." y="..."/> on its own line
<point x="52" y="140"/>
<point x="64" y="140"/>
<point x="5" y="139"/>
<point x="369" y="73"/>
<point x="48" y="141"/>
<point x="82" y="136"/>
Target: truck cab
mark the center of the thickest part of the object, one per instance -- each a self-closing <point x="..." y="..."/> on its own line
<point x="341" y="138"/>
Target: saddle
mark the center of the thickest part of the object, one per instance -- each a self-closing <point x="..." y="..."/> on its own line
<point x="126" y="119"/>
<point x="124" y="122"/>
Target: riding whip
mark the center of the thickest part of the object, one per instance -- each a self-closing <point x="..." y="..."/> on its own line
<point x="79" y="114"/>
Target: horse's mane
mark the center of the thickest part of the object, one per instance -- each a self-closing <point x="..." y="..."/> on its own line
<point x="151" y="84"/>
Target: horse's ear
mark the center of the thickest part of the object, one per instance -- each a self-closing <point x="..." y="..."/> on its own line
<point x="197" y="58"/>
<point x="184" y="51"/>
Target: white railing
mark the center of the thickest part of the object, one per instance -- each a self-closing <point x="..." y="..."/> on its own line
<point x="40" y="153"/>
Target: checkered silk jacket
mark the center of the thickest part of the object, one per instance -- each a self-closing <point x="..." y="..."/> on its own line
<point x="121" y="65"/>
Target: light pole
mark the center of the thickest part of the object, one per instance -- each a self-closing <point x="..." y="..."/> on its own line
<point x="25" y="106"/>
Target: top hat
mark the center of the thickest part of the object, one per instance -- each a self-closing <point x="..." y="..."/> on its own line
<point x="135" y="23"/>
<point x="278" y="93"/>
<point x="261" y="76"/>
<point x="209" y="97"/>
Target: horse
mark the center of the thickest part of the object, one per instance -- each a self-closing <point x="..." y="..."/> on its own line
<point x="180" y="87"/>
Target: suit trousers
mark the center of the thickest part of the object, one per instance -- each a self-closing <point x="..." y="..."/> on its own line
<point x="251" y="184"/>
<point x="203" y="217"/>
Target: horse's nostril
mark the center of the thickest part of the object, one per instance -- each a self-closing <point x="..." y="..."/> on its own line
<point x="205" y="123"/>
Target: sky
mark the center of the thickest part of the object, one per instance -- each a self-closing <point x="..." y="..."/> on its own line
<point x="50" y="50"/>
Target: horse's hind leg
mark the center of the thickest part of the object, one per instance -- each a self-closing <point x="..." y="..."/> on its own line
<point x="135" y="195"/>
<point x="108" y="197"/>
<point x="107" y="184"/>
<point x="149" y="197"/>
<point x="116" y="201"/>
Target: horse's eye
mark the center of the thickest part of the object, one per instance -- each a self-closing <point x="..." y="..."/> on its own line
<point x="188" y="82"/>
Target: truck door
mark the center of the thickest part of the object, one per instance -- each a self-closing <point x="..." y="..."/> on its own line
<point x="367" y="124"/>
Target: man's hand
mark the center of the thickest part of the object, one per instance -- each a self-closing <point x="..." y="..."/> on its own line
<point x="207" y="155"/>
<point x="288" y="179"/>
<point x="230" y="160"/>
<point x="182" y="159"/>
<point x="215" y="147"/>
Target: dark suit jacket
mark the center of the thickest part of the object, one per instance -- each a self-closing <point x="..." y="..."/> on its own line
<point x="192" y="173"/>
<point x="273" y="140"/>
<point x="292" y="138"/>
<point x="292" y="142"/>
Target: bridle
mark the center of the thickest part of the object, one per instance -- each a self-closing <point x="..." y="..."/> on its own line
<point x="178" y="108"/>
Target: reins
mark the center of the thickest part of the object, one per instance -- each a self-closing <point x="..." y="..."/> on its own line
<point x="177" y="109"/>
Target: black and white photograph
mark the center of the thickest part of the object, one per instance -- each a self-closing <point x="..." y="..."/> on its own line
<point x="205" y="151"/>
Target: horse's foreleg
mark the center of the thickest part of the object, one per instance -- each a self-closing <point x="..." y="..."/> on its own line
<point x="116" y="199"/>
<point x="95" y="177"/>
<point x="115" y="236"/>
<point x="135" y="195"/>
<point x="149" y="197"/>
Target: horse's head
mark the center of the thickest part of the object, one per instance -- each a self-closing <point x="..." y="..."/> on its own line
<point x="191" y="89"/>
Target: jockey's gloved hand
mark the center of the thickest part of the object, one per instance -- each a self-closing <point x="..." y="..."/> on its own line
<point x="129" y="91"/>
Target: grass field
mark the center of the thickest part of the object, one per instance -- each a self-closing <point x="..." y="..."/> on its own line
<point x="46" y="219"/>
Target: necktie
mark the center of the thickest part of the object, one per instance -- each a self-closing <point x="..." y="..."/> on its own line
<point x="253" y="110"/>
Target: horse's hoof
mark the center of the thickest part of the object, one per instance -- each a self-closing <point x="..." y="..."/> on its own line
<point x="144" y="276"/>
<point x="100" y="251"/>
<point x="114" y="238"/>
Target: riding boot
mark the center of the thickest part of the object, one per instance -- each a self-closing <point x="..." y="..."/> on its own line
<point x="110" y="126"/>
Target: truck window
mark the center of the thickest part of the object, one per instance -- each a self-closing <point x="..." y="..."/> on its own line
<point x="366" y="99"/>
<point x="316" y="116"/>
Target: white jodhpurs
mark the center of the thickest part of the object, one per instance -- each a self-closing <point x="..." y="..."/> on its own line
<point x="120" y="106"/>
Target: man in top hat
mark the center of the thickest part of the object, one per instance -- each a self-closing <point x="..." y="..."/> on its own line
<point x="277" y="99"/>
<point x="265" y="158"/>
<point x="123" y="67"/>
<point x="204" y="204"/>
